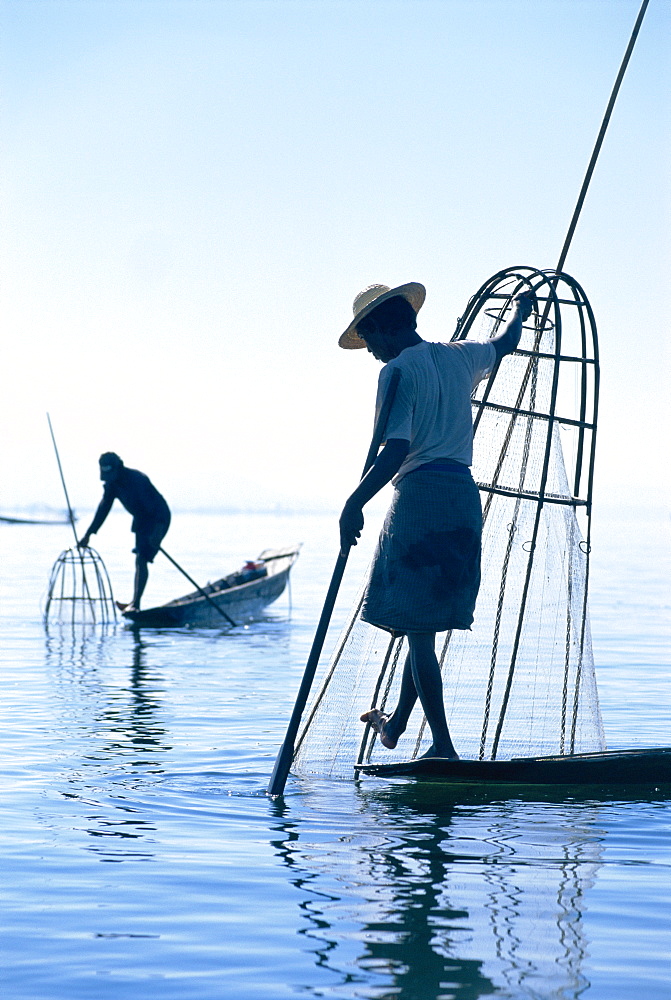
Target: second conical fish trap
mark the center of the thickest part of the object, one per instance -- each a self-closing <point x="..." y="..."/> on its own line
<point x="521" y="683"/>
<point x="80" y="591"/>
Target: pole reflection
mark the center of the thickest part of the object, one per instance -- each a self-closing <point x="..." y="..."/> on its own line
<point x="439" y="895"/>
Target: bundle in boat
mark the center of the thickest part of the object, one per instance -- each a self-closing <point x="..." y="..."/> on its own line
<point x="521" y="683"/>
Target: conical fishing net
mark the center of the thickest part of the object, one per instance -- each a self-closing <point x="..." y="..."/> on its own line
<point x="80" y="591"/>
<point x="521" y="682"/>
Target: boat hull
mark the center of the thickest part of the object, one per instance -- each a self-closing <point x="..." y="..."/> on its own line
<point x="611" y="767"/>
<point x="239" y="604"/>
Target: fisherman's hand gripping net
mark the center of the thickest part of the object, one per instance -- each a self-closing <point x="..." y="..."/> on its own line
<point x="521" y="683"/>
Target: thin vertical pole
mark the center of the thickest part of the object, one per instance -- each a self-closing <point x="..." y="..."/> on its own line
<point x="71" y="516"/>
<point x="600" y="137"/>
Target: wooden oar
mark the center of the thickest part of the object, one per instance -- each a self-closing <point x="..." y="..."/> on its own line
<point x="199" y="589"/>
<point x="286" y="754"/>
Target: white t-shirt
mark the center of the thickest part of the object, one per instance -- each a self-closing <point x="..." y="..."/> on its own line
<point x="432" y="406"/>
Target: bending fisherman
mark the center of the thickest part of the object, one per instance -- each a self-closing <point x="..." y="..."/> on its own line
<point x="425" y="574"/>
<point x="151" y="515"/>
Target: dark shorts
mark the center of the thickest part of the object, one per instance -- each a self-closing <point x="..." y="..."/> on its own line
<point x="425" y="575"/>
<point x="148" y="540"/>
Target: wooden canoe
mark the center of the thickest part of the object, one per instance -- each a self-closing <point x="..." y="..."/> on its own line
<point x="609" y="767"/>
<point x="241" y="596"/>
<point x="34" y="520"/>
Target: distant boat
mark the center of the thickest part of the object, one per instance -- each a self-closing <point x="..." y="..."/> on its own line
<point x="60" y="519"/>
<point x="239" y="596"/>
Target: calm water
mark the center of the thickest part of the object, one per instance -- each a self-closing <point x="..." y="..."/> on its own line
<point x="141" y="857"/>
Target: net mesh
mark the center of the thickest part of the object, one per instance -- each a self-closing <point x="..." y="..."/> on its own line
<point x="522" y="682"/>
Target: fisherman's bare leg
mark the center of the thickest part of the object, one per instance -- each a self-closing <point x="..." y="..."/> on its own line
<point x="141" y="577"/>
<point x="378" y="721"/>
<point x="421" y="677"/>
<point x="396" y="724"/>
<point x="429" y="686"/>
<point x="391" y="727"/>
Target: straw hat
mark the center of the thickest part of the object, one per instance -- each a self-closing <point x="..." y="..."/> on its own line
<point x="373" y="296"/>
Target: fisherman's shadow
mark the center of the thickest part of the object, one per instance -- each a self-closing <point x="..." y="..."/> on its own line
<point x="460" y="893"/>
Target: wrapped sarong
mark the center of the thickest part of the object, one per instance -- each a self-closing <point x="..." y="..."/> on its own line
<point x="425" y="574"/>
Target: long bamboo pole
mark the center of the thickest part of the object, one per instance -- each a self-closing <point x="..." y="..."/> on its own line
<point x="71" y="516"/>
<point x="601" y="136"/>
<point x="286" y="754"/>
<point x="199" y="589"/>
<point x="554" y="283"/>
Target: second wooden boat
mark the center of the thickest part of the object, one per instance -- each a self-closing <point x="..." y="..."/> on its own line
<point x="241" y="596"/>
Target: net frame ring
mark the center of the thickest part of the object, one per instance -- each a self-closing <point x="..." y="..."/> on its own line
<point x="499" y="315"/>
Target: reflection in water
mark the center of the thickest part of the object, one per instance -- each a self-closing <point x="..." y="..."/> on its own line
<point x="438" y="897"/>
<point x="76" y="649"/>
<point x="125" y="714"/>
<point x="111" y="714"/>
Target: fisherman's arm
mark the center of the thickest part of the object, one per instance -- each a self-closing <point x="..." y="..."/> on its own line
<point x="385" y="467"/>
<point x="104" y="507"/>
<point x="509" y="338"/>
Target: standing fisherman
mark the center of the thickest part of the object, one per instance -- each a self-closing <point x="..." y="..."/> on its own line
<point x="426" y="570"/>
<point x="151" y="515"/>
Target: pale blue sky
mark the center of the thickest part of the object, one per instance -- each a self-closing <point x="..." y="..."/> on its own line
<point x="195" y="191"/>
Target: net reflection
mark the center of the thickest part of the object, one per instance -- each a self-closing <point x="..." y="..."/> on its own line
<point x="76" y="649"/>
<point x="444" y="897"/>
<point x="111" y="729"/>
<point x="108" y="691"/>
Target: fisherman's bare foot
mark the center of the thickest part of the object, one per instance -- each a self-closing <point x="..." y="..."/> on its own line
<point x="130" y="607"/>
<point x="447" y="754"/>
<point x="378" y="721"/>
